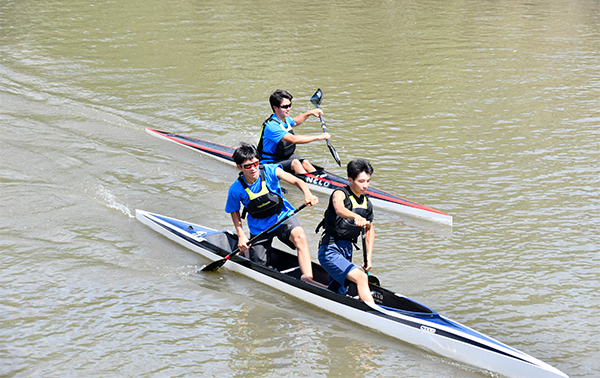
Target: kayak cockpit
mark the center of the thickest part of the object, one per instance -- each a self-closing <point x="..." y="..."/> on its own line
<point x="287" y="264"/>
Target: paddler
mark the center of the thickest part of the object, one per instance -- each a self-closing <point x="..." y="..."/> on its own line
<point x="349" y="213"/>
<point x="277" y="141"/>
<point x="257" y="189"/>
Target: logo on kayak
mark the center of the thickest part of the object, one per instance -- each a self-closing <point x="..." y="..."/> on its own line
<point x="316" y="180"/>
<point x="427" y="329"/>
<point x="377" y="296"/>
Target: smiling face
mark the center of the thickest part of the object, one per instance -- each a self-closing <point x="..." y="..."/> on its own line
<point x="360" y="184"/>
<point x="283" y="110"/>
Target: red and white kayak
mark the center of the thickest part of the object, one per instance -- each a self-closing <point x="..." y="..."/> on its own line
<point x="320" y="181"/>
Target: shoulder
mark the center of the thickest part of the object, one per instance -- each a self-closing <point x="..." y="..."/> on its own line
<point x="339" y="195"/>
<point x="271" y="121"/>
<point x="271" y="169"/>
<point x="235" y="188"/>
<point x="369" y="208"/>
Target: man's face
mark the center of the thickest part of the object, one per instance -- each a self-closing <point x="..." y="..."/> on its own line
<point x="249" y="167"/>
<point x="283" y="110"/>
<point x="361" y="183"/>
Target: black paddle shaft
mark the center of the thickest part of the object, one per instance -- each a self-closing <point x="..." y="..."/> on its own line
<point x="372" y="279"/>
<point x="316" y="101"/>
<point x="219" y="263"/>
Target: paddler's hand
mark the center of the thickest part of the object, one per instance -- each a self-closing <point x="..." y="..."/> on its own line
<point x="324" y="136"/>
<point x="316" y="112"/>
<point x="367" y="266"/>
<point x="243" y="243"/>
<point x="361" y="222"/>
<point x="311" y="200"/>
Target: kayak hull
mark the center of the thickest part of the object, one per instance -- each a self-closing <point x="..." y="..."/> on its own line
<point x="320" y="181"/>
<point x="393" y="315"/>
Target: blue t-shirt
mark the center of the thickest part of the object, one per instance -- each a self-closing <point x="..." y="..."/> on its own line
<point x="274" y="132"/>
<point x="238" y="195"/>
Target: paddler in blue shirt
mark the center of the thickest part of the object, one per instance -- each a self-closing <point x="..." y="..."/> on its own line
<point x="277" y="142"/>
<point x="348" y="213"/>
<point x="257" y="189"/>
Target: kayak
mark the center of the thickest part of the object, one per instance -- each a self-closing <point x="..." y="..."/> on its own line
<point x="321" y="181"/>
<point x="393" y="314"/>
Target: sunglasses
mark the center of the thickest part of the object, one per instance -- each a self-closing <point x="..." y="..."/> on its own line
<point x="250" y="165"/>
<point x="286" y="106"/>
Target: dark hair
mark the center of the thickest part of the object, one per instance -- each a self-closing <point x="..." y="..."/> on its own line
<point x="244" y="152"/>
<point x="278" y="96"/>
<point x="356" y="167"/>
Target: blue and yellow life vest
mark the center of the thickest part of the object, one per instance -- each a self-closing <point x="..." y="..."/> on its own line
<point x="263" y="204"/>
<point x="284" y="149"/>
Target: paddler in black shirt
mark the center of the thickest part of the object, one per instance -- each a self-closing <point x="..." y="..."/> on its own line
<point x="348" y="214"/>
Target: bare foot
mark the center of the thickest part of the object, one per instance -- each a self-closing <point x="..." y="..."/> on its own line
<point x="310" y="280"/>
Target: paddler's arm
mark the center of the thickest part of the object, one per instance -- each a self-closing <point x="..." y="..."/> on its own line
<point x="303" y="139"/>
<point x="304" y="116"/>
<point x="242" y="239"/>
<point x="342" y="211"/>
<point x="309" y="198"/>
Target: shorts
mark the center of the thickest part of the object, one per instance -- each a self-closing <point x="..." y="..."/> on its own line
<point x="260" y="250"/>
<point x="336" y="258"/>
<point x="286" y="164"/>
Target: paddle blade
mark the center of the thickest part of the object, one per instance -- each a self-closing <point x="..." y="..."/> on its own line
<point x="374" y="280"/>
<point x="334" y="154"/>
<point x="213" y="266"/>
<point x="317" y="98"/>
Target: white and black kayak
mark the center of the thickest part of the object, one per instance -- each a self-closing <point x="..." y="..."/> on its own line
<point x="320" y="181"/>
<point x="394" y="314"/>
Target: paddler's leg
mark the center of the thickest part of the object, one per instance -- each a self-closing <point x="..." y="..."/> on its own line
<point x="308" y="167"/>
<point x="297" y="167"/>
<point x="301" y="166"/>
<point x="295" y="164"/>
<point x="362" y="284"/>
<point x="298" y="238"/>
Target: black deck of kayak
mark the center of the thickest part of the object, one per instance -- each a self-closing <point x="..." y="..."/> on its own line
<point x="285" y="268"/>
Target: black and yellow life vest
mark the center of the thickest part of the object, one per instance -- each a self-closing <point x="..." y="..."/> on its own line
<point x="263" y="204"/>
<point x="284" y="149"/>
<point x="342" y="228"/>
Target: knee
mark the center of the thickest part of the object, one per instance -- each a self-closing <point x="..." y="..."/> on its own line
<point x="301" y="238"/>
<point x="296" y="164"/>
<point x="362" y="279"/>
<point x="359" y="277"/>
<point x="308" y="166"/>
<point x="298" y="237"/>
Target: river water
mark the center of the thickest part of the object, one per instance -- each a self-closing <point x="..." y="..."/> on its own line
<point x="488" y="111"/>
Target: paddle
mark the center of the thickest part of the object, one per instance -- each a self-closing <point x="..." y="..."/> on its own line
<point x="372" y="279"/>
<point x="219" y="263"/>
<point x="316" y="101"/>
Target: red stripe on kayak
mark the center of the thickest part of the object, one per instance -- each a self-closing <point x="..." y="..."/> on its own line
<point x="179" y="139"/>
<point x="412" y="204"/>
<point x="389" y="198"/>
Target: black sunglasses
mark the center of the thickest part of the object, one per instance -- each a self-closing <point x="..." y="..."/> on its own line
<point x="286" y="106"/>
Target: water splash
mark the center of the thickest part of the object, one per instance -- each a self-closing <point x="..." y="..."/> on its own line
<point x="105" y="197"/>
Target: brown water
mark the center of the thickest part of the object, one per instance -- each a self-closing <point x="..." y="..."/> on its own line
<point x="488" y="111"/>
